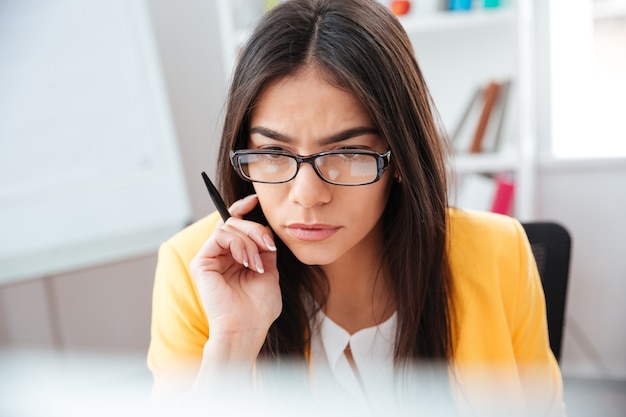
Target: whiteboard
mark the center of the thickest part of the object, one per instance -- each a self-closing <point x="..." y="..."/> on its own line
<point x="89" y="164"/>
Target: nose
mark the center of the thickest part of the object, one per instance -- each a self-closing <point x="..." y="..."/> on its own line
<point x="308" y="189"/>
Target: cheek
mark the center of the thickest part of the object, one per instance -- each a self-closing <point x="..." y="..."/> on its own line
<point x="375" y="207"/>
<point x="270" y="198"/>
<point x="379" y="194"/>
<point x="364" y="205"/>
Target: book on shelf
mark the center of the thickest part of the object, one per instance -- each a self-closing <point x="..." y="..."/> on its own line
<point x="494" y="132"/>
<point x="480" y="128"/>
<point x="403" y="7"/>
<point x="484" y="192"/>
<point x="490" y="96"/>
<point x="460" y="5"/>
<point x="503" y="196"/>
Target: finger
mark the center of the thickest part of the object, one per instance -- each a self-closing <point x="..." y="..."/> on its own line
<point x="223" y="247"/>
<point x="264" y="238"/>
<point x="244" y="206"/>
<point x="261" y="235"/>
<point x="252" y="240"/>
<point x="240" y="239"/>
<point x="269" y="260"/>
<point x="233" y="240"/>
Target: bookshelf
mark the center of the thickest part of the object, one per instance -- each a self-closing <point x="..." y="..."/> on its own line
<point x="446" y="20"/>
<point x="237" y="18"/>
<point x="461" y="51"/>
<point x="457" y="52"/>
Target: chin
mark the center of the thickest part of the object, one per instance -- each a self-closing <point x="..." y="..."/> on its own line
<point x="320" y="257"/>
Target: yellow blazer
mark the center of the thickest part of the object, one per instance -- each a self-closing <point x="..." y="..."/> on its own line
<point x="502" y="351"/>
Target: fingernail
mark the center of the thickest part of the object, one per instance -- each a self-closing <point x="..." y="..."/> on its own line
<point x="269" y="242"/>
<point x="259" y="264"/>
<point x="245" y="261"/>
<point x="249" y="197"/>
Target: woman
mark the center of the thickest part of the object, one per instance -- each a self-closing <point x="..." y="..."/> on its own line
<point x="341" y="250"/>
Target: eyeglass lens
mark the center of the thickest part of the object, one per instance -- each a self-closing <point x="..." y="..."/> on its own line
<point x="344" y="168"/>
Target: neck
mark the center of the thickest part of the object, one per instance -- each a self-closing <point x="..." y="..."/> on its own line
<point x="359" y="293"/>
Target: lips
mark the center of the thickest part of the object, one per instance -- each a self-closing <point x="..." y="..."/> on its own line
<point x="312" y="232"/>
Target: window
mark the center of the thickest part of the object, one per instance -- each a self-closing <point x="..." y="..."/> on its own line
<point x="588" y="79"/>
<point x="608" y="93"/>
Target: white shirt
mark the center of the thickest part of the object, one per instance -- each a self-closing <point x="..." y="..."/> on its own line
<point x="372" y="350"/>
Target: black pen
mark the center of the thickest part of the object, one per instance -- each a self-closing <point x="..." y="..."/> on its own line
<point x="216" y="197"/>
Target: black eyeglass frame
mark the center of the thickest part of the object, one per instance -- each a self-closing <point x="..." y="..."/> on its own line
<point x="382" y="163"/>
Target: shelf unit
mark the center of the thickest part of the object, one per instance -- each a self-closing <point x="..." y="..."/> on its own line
<point x="457" y="52"/>
<point x="460" y="51"/>
<point x="447" y="20"/>
<point x="237" y="18"/>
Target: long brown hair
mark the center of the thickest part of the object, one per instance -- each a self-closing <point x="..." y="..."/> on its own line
<point x="360" y="47"/>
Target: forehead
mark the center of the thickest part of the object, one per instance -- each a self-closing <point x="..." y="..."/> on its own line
<point x="308" y="97"/>
<point x="305" y="84"/>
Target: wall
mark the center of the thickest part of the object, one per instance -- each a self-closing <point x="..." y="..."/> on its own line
<point x="188" y="36"/>
<point x="107" y="307"/>
<point x="104" y="308"/>
<point x="588" y="198"/>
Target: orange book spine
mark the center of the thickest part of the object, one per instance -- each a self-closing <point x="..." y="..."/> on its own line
<point x="491" y="96"/>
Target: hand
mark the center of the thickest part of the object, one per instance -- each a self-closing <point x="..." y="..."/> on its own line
<point x="237" y="279"/>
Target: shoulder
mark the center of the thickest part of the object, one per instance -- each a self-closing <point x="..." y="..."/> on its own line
<point x="188" y="241"/>
<point x="468" y="225"/>
<point x="490" y="260"/>
<point x="499" y="306"/>
<point x="484" y="236"/>
<point x="172" y="271"/>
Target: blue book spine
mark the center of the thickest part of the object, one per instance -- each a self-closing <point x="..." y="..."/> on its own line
<point x="460" y="5"/>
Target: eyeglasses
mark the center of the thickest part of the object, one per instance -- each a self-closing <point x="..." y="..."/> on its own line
<point x="341" y="167"/>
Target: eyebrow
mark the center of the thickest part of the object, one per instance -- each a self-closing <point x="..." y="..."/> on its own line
<point x="341" y="136"/>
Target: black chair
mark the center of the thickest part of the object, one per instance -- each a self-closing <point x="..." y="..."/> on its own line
<point x="551" y="246"/>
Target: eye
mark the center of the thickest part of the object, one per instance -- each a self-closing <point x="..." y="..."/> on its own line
<point x="272" y="157"/>
<point x="356" y="148"/>
<point x="275" y="148"/>
<point x="349" y="155"/>
<point x="354" y="151"/>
